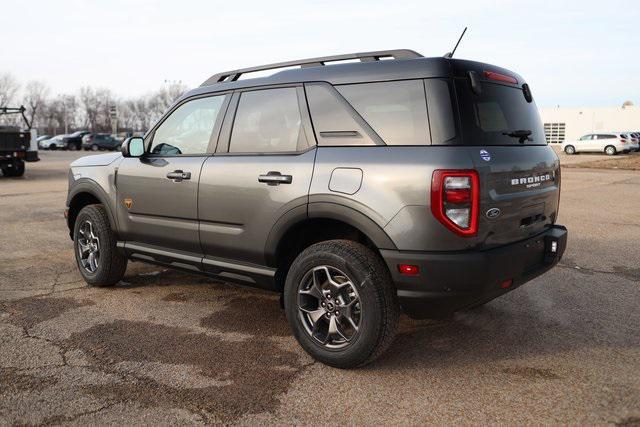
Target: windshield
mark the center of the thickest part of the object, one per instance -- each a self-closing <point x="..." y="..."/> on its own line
<point x="499" y="115"/>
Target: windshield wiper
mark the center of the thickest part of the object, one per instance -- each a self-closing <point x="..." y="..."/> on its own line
<point x="523" y="134"/>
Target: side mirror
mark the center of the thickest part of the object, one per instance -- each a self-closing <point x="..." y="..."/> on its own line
<point x="133" y="147"/>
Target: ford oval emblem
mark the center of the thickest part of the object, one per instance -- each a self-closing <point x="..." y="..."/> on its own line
<point x="484" y="155"/>
<point x="493" y="213"/>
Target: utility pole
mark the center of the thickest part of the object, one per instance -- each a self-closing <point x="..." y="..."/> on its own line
<point x="113" y="113"/>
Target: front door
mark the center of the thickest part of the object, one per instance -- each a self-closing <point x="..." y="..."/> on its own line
<point x="261" y="171"/>
<point x="158" y="192"/>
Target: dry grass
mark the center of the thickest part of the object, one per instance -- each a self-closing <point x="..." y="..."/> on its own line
<point x="628" y="162"/>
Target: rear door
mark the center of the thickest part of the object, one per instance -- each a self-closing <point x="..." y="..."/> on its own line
<point x="158" y="192"/>
<point x="586" y="143"/>
<point x="519" y="173"/>
<point x="260" y="172"/>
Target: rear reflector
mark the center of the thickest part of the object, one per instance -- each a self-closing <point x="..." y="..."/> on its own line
<point x="408" y="270"/>
<point x="491" y="75"/>
<point x="506" y="284"/>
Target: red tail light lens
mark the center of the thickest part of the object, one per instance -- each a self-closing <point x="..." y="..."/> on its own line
<point x="500" y="77"/>
<point x="455" y="200"/>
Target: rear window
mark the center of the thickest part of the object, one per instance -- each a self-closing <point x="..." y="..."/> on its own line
<point x="499" y="115"/>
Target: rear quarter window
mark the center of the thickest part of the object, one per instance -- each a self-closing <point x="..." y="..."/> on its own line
<point x="397" y="111"/>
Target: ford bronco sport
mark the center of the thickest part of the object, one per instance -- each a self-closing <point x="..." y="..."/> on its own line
<point x="357" y="190"/>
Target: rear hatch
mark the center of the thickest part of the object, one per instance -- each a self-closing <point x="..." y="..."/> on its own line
<point x="519" y="173"/>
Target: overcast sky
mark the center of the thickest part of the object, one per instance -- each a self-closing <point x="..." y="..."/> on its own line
<point x="571" y="52"/>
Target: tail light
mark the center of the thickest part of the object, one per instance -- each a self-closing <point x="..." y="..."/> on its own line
<point x="455" y="200"/>
<point x="624" y="141"/>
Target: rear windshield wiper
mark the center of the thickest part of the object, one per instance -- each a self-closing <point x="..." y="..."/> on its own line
<point x="523" y="134"/>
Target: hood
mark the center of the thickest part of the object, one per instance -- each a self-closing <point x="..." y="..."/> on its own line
<point x="96" y="160"/>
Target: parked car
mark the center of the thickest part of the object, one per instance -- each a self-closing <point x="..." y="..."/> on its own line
<point x="100" y="141"/>
<point x="635" y="140"/>
<point x="74" y="140"/>
<point x="632" y="142"/>
<point x="58" y="142"/>
<point x="610" y="143"/>
<point x="379" y="206"/>
<point x="42" y="138"/>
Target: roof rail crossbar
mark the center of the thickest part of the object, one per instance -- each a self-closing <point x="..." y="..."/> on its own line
<point x="231" y="76"/>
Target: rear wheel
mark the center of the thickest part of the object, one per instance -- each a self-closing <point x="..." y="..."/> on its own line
<point x="98" y="259"/>
<point x="570" y="149"/>
<point x="341" y="303"/>
<point x="610" y="150"/>
<point x="94" y="147"/>
<point x="15" y="168"/>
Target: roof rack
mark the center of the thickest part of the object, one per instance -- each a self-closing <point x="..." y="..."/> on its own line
<point x="231" y="76"/>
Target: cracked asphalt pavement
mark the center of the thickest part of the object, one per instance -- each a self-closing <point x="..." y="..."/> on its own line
<point x="166" y="347"/>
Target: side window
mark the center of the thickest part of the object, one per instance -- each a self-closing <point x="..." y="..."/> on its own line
<point x="268" y="121"/>
<point x="188" y="129"/>
<point x="441" y="114"/>
<point x="397" y="111"/>
<point x="585" y="138"/>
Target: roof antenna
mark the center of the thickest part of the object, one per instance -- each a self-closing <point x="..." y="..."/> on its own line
<point x="449" y="55"/>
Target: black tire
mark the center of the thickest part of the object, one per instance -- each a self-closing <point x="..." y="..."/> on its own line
<point x="570" y="149"/>
<point x="377" y="300"/>
<point x="112" y="263"/>
<point x="94" y="147"/>
<point x="14" y="169"/>
<point x="610" y="150"/>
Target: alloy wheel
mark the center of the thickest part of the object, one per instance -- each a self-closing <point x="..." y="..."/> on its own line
<point x="329" y="307"/>
<point x="88" y="247"/>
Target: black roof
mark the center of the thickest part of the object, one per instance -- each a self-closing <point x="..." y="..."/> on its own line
<point x="409" y="66"/>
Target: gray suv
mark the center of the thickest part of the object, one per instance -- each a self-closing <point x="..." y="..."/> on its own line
<point x="357" y="190"/>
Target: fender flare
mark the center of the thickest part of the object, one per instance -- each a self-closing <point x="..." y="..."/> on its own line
<point x="86" y="185"/>
<point x="325" y="210"/>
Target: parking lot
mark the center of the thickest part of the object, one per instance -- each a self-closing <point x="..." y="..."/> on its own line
<point x="170" y="348"/>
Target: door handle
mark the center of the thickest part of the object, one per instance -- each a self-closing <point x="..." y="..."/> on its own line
<point x="179" y="175"/>
<point x="275" y="178"/>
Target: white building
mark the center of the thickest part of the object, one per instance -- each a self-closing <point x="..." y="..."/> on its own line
<point x="563" y="123"/>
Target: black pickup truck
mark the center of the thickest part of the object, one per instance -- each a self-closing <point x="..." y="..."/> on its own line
<point x="17" y="145"/>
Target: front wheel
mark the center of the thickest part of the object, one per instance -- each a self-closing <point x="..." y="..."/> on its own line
<point x="341" y="303"/>
<point x="570" y="149"/>
<point x="94" y="147"/>
<point x="610" y="150"/>
<point x="99" y="261"/>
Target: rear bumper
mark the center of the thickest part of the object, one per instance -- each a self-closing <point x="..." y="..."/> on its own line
<point x="27" y="156"/>
<point x="452" y="281"/>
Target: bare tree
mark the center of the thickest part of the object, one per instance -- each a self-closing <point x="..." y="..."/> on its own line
<point x="90" y="107"/>
<point x="35" y="96"/>
<point x="9" y="87"/>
